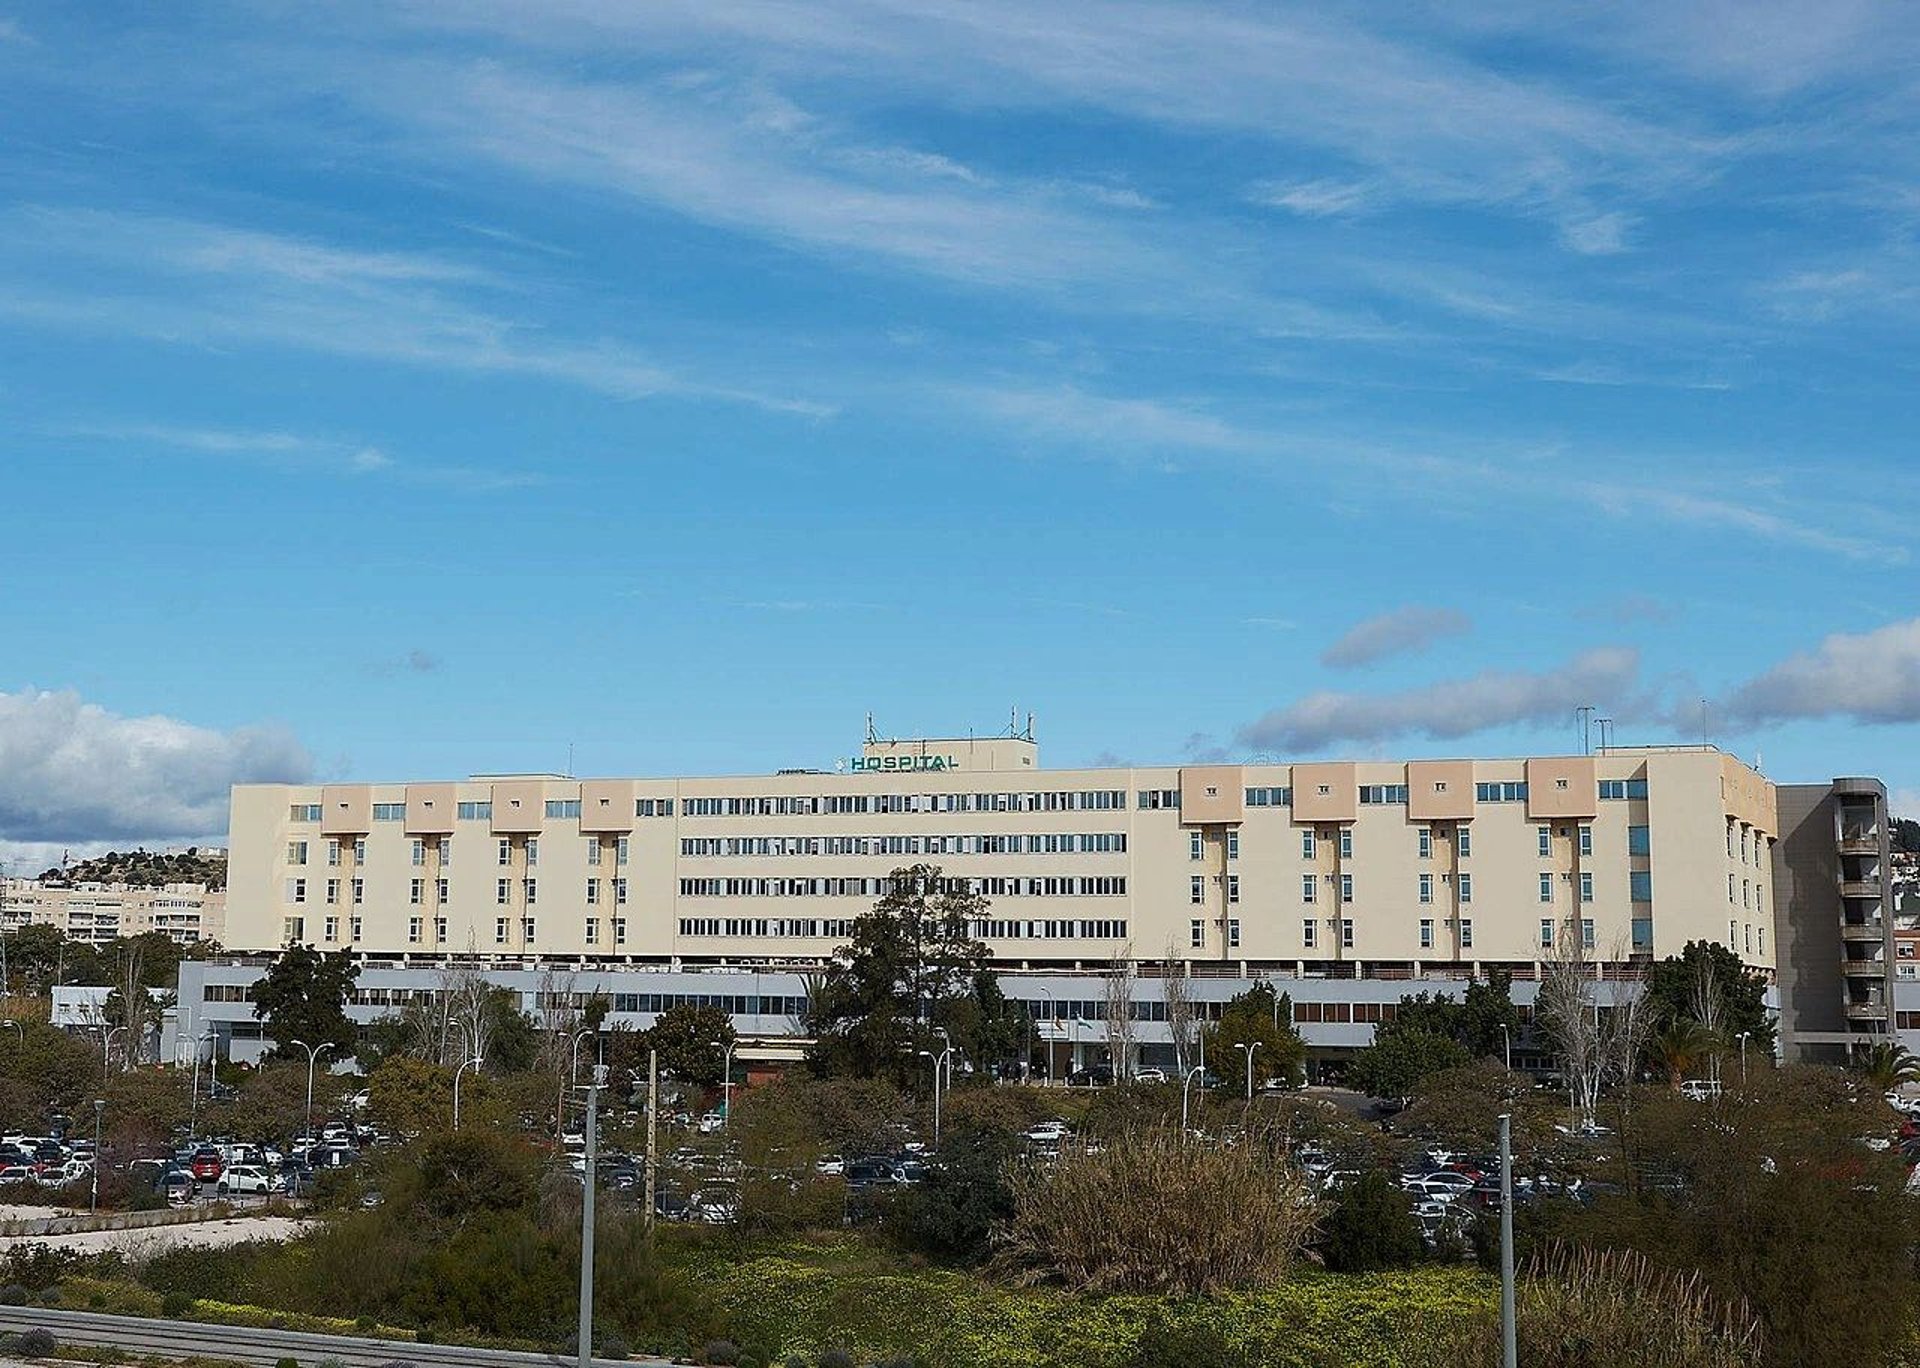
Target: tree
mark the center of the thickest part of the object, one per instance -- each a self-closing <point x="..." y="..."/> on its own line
<point x="145" y="1109"/>
<point x="1400" y="1058"/>
<point x="953" y="1213"/>
<point x="1679" y="1045"/>
<point x="1118" y="993"/>
<point x="412" y="1096"/>
<point x="691" y="1041"/>
<point x="1888" y="1065"/>
<point x="1263" y="1019"/>
<point x="1708" y="983"/>
<point x="304" y="997"/>
<point x="1181" y="1020"/>
<point x="909" y="963"/>
<point x="1371" y="1227"/>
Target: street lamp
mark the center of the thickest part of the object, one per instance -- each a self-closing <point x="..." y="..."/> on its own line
<point x="106" y="1047"/>
<point x="473" y="1064"/>
<point x="1742" y="1037"/>
<point x="1053" y="1021"/>
<point x="93" y="1197"/>
<point x="198" y="1041"/>
<point x="313" y="1055"/>
<point x="1185" y="1084"/>
<point x="726" y="1082"/>
<point x="1506" y="1038"/>
<point x="935" y="1059"/>
<point x="573" y="1079"/>
<point x="1249" y="1046"/>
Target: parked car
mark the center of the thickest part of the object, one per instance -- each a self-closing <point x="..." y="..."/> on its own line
<point x="206" y="1165"/>
<point x="1047" y="1132"/>
<point x="872" y="1171"/>
<point x="1700" y="1089"/>
<point x="178" y="1186"/>
<point x="246" y="1178"/>
<point x="1150" y="1074"/>
<point x="1094" y="1076"/>
<point x="16" y="1173"/>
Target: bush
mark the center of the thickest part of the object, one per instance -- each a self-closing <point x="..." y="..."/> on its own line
<point x="836" y="1358"/>
<point x="176" y="1304"/>
<point x="612" y="1346"/>
<point x="952" y="1214"/>
<point x="13" y="1294"/>
<point x="1166" y="1344"/>
<point x="721" y="1353"/>
<point x="1371" y="1227"/>
<point x="286" y="1363"/>
<point x="1155" y="1212"/>
<point x="35" y="1343"/>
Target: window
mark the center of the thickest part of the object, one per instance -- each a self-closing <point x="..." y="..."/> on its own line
<point x="332" y="927"/>
<point x="1746" y="893"/>
<point x="593" y="930"/>
<point x="1309" y="884"/>
<point x="1309" y="930"/>
<point x="593" y="892"/>
<point x="620" y="850"/>
<point x="446" y="851"/>
<point x="353" y="929"/>
<point x="1196" y="846"/>
<point x="1586" y="840"/>
<point x="619" y="930"/>
<point x="1639" y="840"/>
<point x="1643" y="934"/>
<point x="1732" y="895"/>
<point x="1586" y="885"/>
<point x="413" y="930"/>
<point x="333" y="892"/>
<point x="1377" y="794"/>
<point x="1733" y="935"/>
<point x="506" y="851"/>
<point x="1616" y="789"/>
<point x="295" y="929"/>
<point x="1233" y="933"/>
<point x="1508" y="792"/>
<point x="359" y="850"/>
<point x="416" y="892"/>
<point x="526" y="929"/>
<point x="1729" y="840"/>
<point x="359" y="891"/>
<point x="296" y="890"/>
<point x="533" y="888"/>
<point x="440" y="890"/>
<point x="499" y="930"/>
<point x="1197" y="890"/>
<point x="1586" y="933"/>
<point x="1269" y="797"/>
<point x="1196" y="933"/>
<point x="440" y="930"/>
<point x="1233" y="888"/>
<point x="1426" y="888"/>
<point x="1760" y="933"/>
<point x="1463" y="841"/>
<point x="593" y="851"/>
<point x="389" y="812"/>
<point x="533" y="850"/>
<point x="333" y="851"/>
<point x="1426" y="933"/>
<point x="563" y="807"/>
<point x="620" y="892"/>
<point x="296" y="852"/>
<point x="653" y="807"/>
<point x="1546" y="933"/>
<point x="1426" y="843"/>
<point x="1546" y="888"/>
<point x="1545" y="836"/>
<point x="475" y="812"/>
<point x="1466" y="888"/>
<point x="1306" y="844"/>
<point x="1159" y="798"/>
<point x="304" y="812"/>
<point x="1233" y="845"/>
<point x="1346" y="888"/>
<point x="1640" y="886"/>
<point x="502" y="891"/>
<point x="1346" y="843"/>
<point x="1749" y="931"/>
<point x="419" y="852"/>
<point x="1466" y="933"/>
<point x="1346" y="933"/>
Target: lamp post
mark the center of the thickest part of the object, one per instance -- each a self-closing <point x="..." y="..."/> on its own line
<point x="726" y="1082"/>
<point x="1053" y="1020"/>
<point x="1249" y="1046"/>
<point x="313" y="1055"/>
<point x="474" y="1064"/>
<point x="1506" y="1038"/>
<point x="586" y="1213"/>
<point x="1509" y="1344"/>
<point x="934" y="1059"/>
<point x="573" y="1080"/>
<point x="1185" y="1084"/>
<point x="106" y="1048"/>
<point x="194" y="1120"/>
<point x="1742" y="1037"/>
<point x="93" y="1196"/>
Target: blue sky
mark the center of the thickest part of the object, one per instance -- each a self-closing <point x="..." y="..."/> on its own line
<point x="408" y="389"/>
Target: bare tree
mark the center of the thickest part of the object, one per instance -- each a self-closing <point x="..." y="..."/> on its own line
<point x="1119" y="993"/>
<point x="1180" y="1015"/>
<point x="1570" y="1015"/>
<point x="1709" y="1009"/>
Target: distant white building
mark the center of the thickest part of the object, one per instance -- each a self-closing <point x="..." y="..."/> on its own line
<point x="98" y="912"/>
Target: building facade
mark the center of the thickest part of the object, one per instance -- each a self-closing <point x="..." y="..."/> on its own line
<point x="98" y="912"/>
<point x="1341" y="870"/>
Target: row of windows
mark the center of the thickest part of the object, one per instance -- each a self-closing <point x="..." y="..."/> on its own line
<point x="1090" y="886"/>
<point x="481" y="809"/>
<point x="1269" y="797"/>
<point x="1114" y="843"/>
<point x="836" y="928"/>
<point x="1373" y="794"/>
<point x="1067" y="929"/>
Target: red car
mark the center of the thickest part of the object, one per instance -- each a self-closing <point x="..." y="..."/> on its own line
<point x="207" y="1166"/>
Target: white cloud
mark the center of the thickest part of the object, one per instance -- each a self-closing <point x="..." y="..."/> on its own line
<point x="1404" y="630"/>
<point x="71" y="772"/>
<point x="1451" y="709"/>
<point x="1869" y="677"/>
<point x="1905" y="802"/>
<point x="1314" y="198"/>
<point x="1598" y="235"/>
<point x="1116" y="426"/>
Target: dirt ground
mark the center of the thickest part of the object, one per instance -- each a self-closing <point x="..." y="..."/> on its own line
<point x="154" y="1239"/>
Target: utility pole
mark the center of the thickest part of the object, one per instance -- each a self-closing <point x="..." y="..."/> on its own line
<point x="1509" y="1334"/>
<point x="653" y="1116"/>
<point x="586" y="1216"/>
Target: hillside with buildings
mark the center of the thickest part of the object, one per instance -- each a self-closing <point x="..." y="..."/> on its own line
<point x="205" y="865"/>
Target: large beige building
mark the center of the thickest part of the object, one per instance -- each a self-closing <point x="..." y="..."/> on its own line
<point x="100" y="912"/>
<point x="1348" y="870"/>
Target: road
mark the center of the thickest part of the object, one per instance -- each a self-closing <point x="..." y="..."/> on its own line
<point x="239" y="1344"/>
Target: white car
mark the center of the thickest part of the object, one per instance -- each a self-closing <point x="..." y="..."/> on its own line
<point x="1150" y="1075"/>
<point x="830" y="1166"/>
<point x="1047" y="1132"/>
<point x="712" y="1123"/>
<point x="245" y="1178"/>
<point x="16" y="1173"/>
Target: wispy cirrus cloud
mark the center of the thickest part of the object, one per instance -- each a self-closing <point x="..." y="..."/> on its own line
<point x="185" y="281"/>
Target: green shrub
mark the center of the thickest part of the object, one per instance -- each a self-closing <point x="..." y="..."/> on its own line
<point x="836" y="1358"/>
<point x="612" y="1346"/>
<point x="1371" y="1227"/>
<point x="1165" y="1343"/>
<point x="286" y="1363"/>
<point x="721" y="1353"/>
<point x="35" y="1343"/>
<point x="176" y="1304"/>
<point x="14" y="1294"/>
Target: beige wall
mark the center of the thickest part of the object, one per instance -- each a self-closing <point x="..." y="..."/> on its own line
<point x="1259" y="851"/>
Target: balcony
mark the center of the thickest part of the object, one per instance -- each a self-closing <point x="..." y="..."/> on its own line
<point x="1859" y="843"/>
<point x="1873" y="929"/>
<point x="1860" y="888"/>
<point x="1867" y="1011"/>
<point x="1863" y="968"/>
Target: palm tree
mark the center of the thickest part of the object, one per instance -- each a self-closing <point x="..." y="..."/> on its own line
<point x="1887" y="1065"/>
<point x="1683" y="1043"/>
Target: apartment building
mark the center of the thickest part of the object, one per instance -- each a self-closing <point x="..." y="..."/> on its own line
<point x="100" y="912"/>
<point x="1390" y="870"/>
